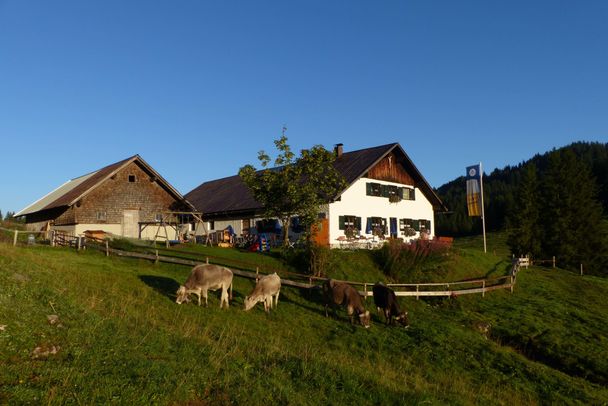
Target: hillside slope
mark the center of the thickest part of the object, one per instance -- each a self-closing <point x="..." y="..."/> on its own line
<point x="121" y="338"/>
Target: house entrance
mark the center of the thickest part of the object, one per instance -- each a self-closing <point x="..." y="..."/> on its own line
<point x="130" y="223"/>
<point x="320" y="232"/>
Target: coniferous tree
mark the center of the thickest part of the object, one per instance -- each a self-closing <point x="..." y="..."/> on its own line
<point x="1" y="215"/>
<point x="523" y="223"/>
<point x="571" y="215"/>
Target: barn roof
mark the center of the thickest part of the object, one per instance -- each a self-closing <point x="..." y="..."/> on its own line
<point x="73" y="190"/>
<point x="230" y="195"/>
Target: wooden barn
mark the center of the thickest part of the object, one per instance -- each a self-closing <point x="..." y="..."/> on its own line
<point x="387" y="196"/>
<point x="127" y="198"/>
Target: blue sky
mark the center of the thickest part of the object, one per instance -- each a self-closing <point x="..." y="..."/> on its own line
<point x="197" y="88"/>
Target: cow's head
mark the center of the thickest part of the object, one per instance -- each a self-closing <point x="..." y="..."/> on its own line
<point x="182" y="295"/>
<point x="364" y="318"/>
<point x="251" y="301"/>
<point x="403" y="319"/>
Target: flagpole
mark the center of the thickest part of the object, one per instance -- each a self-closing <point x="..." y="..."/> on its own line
<point x="483" y="217"/>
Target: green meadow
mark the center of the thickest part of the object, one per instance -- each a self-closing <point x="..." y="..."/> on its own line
<point x="119" y="337"/>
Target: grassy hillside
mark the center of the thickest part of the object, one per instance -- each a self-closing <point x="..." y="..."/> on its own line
<point x="120" y="338"/>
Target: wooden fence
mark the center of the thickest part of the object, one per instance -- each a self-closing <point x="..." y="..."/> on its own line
<point x="450" y="289"/>
<point x="16" y="234"/>
<point x="245" y="270"/>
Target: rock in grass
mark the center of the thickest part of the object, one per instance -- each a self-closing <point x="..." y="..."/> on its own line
<point x="45" y="351"/>
<point x="53" y="320"/>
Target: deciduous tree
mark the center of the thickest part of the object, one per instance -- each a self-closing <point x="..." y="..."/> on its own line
<point x="295" y="186"/>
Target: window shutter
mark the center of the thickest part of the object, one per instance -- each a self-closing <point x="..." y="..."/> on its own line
<point x="401" y="193"/>
<point x="428" y="225"/>
<point x="368" y="189"/>
<point x="358" y="223"/>
<point x="341" y="222"/>
<point x="412" y="194"/>
<point x="368" y="226"/>
<point x="384" y="190"/>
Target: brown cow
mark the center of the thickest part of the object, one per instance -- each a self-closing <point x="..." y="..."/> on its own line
<point x="341" y="293"/>
<point x="385" y="299"/>
<point x="204" y="278"/>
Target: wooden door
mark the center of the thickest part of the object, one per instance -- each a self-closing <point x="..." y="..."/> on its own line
<point x="320" y="232"/>
<point x="130" y="223"/>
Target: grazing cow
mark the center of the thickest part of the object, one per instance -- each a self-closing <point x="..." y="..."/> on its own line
<point x="203" y="278"/>
<point x="385" y="299"/>
<point x="267" y="287"/>
<point x="341" y="293"/>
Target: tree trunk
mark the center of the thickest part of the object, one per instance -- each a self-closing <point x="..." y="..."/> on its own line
<point x="286" y="224"/>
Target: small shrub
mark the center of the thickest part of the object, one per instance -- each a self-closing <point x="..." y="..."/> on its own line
<point x="319" y="259"/>
<point x="401" y="260"/>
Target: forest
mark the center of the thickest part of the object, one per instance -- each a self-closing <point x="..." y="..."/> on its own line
<point x="552" y="204"/>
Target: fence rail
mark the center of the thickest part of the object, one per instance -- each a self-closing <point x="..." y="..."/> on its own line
<point x="308" y="281"/>
<point x="450" y="289"/>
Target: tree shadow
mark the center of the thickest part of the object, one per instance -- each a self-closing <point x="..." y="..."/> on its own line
<point x="161" y="284"/>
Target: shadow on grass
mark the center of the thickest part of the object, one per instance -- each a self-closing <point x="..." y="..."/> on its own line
<point x="168" y="288"/>
<point x="163" y="285"/>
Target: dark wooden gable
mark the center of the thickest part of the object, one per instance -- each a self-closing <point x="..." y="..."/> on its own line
<point x="391" y="169"/>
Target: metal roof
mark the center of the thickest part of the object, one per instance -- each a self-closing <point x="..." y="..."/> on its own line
<point x="231" y="195"/>
<point x="72" y="191"/>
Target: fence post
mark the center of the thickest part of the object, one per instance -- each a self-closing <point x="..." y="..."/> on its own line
<point x="512" y="282"/>
<point x="15" y="238"/>
<point x="207" y="260"/>
<point x="52" y="238"/>
<point x="417" y="289"/>
<point x="365" y="290"/>
<point x="483" y="286"/>
<point x="553" y="261"/>
<point x="257" y="274"/>
<point x="156" y="253"/>
<point x="581" y="269"/>
<point x="78" y="244"/>
<point x="107" y="249"/>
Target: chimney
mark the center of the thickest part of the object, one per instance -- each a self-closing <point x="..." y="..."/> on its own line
<point x="338" y="149"/>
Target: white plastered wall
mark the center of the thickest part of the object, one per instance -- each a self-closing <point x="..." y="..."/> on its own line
<point x="355" y="202"/>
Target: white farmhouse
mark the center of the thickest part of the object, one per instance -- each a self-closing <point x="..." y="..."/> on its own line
<point x="386" y="197"/>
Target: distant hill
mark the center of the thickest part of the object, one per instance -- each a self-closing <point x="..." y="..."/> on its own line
<point x="500" y="187"/>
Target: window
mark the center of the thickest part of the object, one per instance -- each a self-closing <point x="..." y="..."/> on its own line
<point x="101" y="216"/>
<point x="373" y="189"/>
<point x="349" y="222"/>
<point x="416" y="225"/>
<point x="425" y="225"/>
<point x="158" y="217"/>
<point x="408" y="194"/>
<point x="296" y="225"/>
<point x="268" y="226"/>
<point x="376" y="226"/>
<point x="132" y="178"/>
<point x="392" y="192"/>
<point x="212" y="225"/>
<point x="405" y="224"/>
